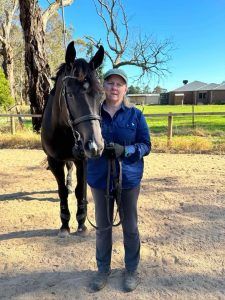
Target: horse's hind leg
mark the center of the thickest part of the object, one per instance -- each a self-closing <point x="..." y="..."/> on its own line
<point x="80" y="195"/>
<point x="57" y="168"/>
<point x="69" y="166"/>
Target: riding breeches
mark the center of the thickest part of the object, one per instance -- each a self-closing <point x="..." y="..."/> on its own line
<point x="129" y="218"/>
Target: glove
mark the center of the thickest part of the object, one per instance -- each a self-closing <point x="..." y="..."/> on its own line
<point x="114" y="150"/>
<point x="78" y="152"/>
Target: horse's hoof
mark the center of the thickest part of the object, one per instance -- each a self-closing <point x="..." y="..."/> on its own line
<point x="63" y="233"/>
<point x="82" y="231"/>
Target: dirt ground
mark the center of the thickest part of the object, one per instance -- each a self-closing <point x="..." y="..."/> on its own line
<point x="181" y="222"/>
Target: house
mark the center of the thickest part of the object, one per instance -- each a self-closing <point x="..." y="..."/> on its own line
<point x="198" y="92"/>
<point x="144" y="98"/>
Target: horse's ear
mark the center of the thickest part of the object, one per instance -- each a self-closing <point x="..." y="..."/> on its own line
<point x="97" y="60"/>
<point x="70" y="53"/>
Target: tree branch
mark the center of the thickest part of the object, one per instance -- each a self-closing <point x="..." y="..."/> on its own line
<point x="147" y="54"/>
<point x="50" y="11"/>
<point x="96" y="44"/>
<point x="7" y="24"/>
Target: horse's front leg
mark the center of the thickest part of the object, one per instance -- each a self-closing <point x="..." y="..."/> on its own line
<point x="69" y="166"/>
<point x="81" y="199"/>
<point x="57" y="168"/>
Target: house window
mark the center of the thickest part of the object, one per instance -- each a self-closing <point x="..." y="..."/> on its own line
<point x="202" y="95"/>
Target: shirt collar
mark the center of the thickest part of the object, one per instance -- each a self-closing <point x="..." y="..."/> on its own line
<point x="122" y="107"/>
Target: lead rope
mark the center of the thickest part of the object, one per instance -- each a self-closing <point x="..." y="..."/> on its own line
<point x="85" y="189"/>
<point x="117" y="189"/>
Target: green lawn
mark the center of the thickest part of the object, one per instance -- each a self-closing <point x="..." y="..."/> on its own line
<point x="159" y="109"/>
<point x="184" y="125"/>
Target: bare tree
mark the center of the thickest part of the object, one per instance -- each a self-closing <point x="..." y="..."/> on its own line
<point x="34" y="23"/>
<point x="6" y="48"/>
<point x="146" y="53"/>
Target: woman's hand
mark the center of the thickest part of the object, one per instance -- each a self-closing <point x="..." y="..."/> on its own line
<point x="114" y="150"/>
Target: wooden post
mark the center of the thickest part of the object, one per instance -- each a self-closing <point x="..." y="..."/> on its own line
<point x="170" y="129"/>
<point x="193" y="116"/>
<point x="12" y="124"/>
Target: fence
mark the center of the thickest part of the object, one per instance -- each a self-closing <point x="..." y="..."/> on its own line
<point x="169" y="121"/>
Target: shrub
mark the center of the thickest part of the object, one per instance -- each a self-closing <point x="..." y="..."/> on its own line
<point x="5" y="96"/>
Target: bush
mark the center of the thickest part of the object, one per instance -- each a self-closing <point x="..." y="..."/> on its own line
<point x="5" y="96"/>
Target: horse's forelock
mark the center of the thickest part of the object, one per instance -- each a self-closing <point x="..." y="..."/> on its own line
<point x="81" y="70"/>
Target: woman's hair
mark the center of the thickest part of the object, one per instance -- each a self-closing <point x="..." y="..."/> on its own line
<point x="127" y="102"/>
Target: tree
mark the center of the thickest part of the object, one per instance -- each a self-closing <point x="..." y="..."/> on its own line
<point x="134" y="90"/>
<point x="55" y="48"/>
<point x="146" y="53"/>
<point x="158" y="90"/>
<point x="37" y="68"/>
<point x="6" y="51"/>
<point x="5" y="95"/>
<point x="146" y="89"/>
<point x="34" y="24"/>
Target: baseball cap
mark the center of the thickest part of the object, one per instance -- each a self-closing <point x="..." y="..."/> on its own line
<point x="118" y="72"/>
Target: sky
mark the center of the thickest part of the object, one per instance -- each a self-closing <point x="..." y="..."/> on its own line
<point x="196" y="28"/>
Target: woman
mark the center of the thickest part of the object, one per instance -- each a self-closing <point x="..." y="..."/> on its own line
<point x="125" y="129"/>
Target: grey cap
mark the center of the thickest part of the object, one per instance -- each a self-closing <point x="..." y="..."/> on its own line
<point x="118" y="72"/>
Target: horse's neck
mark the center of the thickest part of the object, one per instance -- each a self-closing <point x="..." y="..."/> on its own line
<point x="58" y="110"/>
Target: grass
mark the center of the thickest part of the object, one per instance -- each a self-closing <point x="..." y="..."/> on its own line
<point x="160" y="109"/>
<point x="21" y="140"/>
<point x="207" y="136"/>
<point x="184" y="125"/>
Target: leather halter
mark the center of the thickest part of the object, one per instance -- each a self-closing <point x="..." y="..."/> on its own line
<point x="81" y="119"/>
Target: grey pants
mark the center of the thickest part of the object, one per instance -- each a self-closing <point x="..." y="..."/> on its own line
<point x="131" y="238"/>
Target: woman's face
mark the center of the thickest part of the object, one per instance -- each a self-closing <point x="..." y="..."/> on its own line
<point x="115" y="89"/>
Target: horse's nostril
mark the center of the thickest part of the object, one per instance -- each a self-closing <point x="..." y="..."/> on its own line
<point x="92" y="146"/>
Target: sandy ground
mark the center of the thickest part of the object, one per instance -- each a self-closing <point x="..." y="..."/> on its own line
<point x="181" y="222"/>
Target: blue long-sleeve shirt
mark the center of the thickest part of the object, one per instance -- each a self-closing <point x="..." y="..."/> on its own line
<point x="128" y="127"/>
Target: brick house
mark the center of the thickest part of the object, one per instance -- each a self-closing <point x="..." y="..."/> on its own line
<point x="198" y="92"/>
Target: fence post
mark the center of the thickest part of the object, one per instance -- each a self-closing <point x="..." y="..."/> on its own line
<point x="12" y="125"/>
<point x="170" y="129"/>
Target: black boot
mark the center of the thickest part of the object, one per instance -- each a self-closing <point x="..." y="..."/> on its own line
<point x="99" y="281"/>
<point x="131" y="281"/>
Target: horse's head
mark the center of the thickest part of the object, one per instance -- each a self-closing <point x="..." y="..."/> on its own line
<point x="82" y="94"/>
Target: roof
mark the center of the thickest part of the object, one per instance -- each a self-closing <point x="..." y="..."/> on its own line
<point x="190" y="87"/>
<point x="220" y="87"/>
<point x="209" y="87"/>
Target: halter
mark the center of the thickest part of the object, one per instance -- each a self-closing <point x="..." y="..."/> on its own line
<point x="74" y="122"/>
<point x="81" y="119"/>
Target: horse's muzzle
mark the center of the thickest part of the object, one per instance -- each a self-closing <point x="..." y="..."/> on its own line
<point x="92" y="150"/>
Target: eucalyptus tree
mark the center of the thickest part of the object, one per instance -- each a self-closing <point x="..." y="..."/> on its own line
<point x="34" y="23"/>
<point x="7" y="11"/>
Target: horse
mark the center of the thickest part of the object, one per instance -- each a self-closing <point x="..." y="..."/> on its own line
<point x="70" y="130"/>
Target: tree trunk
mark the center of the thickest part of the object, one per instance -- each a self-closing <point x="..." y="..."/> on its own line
<point x="37" y="68"/>
<point x="7" y="65"/>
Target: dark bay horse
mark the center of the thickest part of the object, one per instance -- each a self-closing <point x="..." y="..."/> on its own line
<point x="70" y="122"/>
